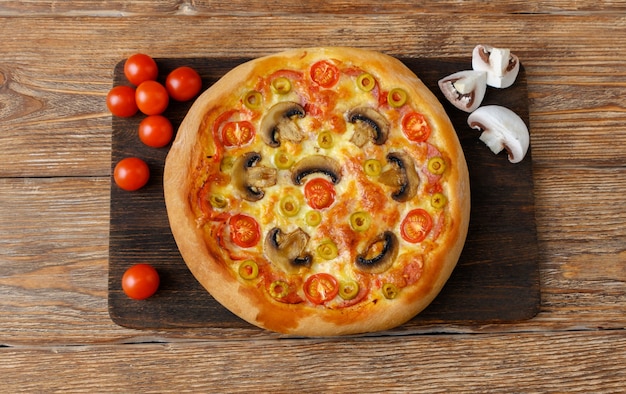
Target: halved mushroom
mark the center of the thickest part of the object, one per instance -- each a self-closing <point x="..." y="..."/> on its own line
<point x="249" y="179"/>
<point x="379" y="254"/>
<point x="279" y="124"/>
<point x="401" y="175"/>
<point x="369" y="125"/>
<point x="502" y="129"/>
<point x="465" y="89"/>
<point x="316" y="163"/>
<point x="500" y="64"/>
<point x="287" y="250"/>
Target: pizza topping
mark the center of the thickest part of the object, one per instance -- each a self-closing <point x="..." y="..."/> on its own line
<point x="313" y="218"/>
<point x="397" y="97"/>
<point x="500" y="64"/>
<point x="416" y="226"/>
<point x="253" y="100"/>
<point x="244" y="230"/>
<point x="401" y="175"/>
<point x="281" y="85"/>
<point x="502" y="129"/>
<point x="379" y="254"/>
<point x="320" y="288"/>
<point x="249" y="178"/>
<point x="360" y="221"/>
<point x="218" y="201"/>
<point x="365" y="82"/>
<point x="314" y="164"/>
<point x="415" y="127"/>
<point x="372" y="167"/>
<point x="279" y="123"/>
<point x="465" y="89"/>
<point x="327" y="250"/>
<point x="319" y="193"/>
<point x="436" y="165"/>
<point x="237" y="133"/>
<point x="287" y="250"/>
<point x="325" y="140"/>
<point x="390" y="291"/>
<point x="279" y="289"/>
<point x="289" y="205"/>
<point x="369" y="125"/>
<point x="348" y="289"/>
<point x="283" y="160"/>
<point x="438" y="200"/>
<point x="324" y="73"/>
<point x="249" y="270"/>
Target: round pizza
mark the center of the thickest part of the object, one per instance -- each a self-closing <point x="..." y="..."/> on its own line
<point x="319" y="191"/>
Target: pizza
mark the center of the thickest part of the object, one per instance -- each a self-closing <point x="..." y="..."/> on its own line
<point x="319" y="191"/>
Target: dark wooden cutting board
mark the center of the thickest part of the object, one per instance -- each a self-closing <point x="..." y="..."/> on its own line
<point x="496" y="279"/>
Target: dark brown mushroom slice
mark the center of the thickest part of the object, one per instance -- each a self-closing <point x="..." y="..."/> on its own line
<point x="287" y="250"/>
<point x="249" y="179"/>
<point x="369" y="125"/>
<point x="402" y="175"/>
<point x="314" y="164"/>
<point x="278" y="123"/>
<point x="380" y="254"/>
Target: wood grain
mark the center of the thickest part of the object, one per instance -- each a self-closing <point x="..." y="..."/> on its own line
<point x="563" y="362"/>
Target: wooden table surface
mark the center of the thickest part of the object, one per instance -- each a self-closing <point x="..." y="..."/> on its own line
<point x="56" y="66"/>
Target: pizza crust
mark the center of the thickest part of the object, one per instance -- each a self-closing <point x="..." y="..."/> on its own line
<point x="202" y="258"/>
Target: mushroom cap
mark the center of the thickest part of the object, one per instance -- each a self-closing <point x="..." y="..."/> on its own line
<point x="500" y="64"/>
<point x="502" y="129"/>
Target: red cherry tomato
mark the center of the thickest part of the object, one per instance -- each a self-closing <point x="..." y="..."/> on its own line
<point x="416" y="226"/>
<point x="140" y="68"/>
<point x="321" y="287"/>
<point x="244" y="230"/>
<point x="131" y="173"/>
<point x="415" y="127"/>
<point x="140" y="281"/>
<point x="237" y="133"/>
<point x="319" y="193"/>
<point x="156" y="131"/>
<point x="324" y="73"/>
<point x="183" y="84"/>
<point x="151" y="98"/>
<point x="121" y="101"/>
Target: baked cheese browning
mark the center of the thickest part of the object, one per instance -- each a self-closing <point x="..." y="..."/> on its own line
<point x="324" y="186"/>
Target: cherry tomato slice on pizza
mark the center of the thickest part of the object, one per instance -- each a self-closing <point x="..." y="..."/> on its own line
<point x="415" y="127"/>
<point x="320" y="288"/>
<point x="324" y="74"/>
<point x="416" y="226"/>
<point x="319" y="193"/>
<point x="244" y="231"/>
<point x="237" y="133"/>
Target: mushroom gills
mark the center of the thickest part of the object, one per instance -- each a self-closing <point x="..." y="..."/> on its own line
<point x="465" y="89"/>
<point x="248" y="178"/>
<point x="287" y="250"/>
<point x="369" y="125"/>
<point x="279" y="123"/>
<point x="380" y="254"/>
<point x="313" y="164"/>
<point x="402" y="175"/>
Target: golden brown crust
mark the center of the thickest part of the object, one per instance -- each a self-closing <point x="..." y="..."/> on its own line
<point x="204" y="259"/>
